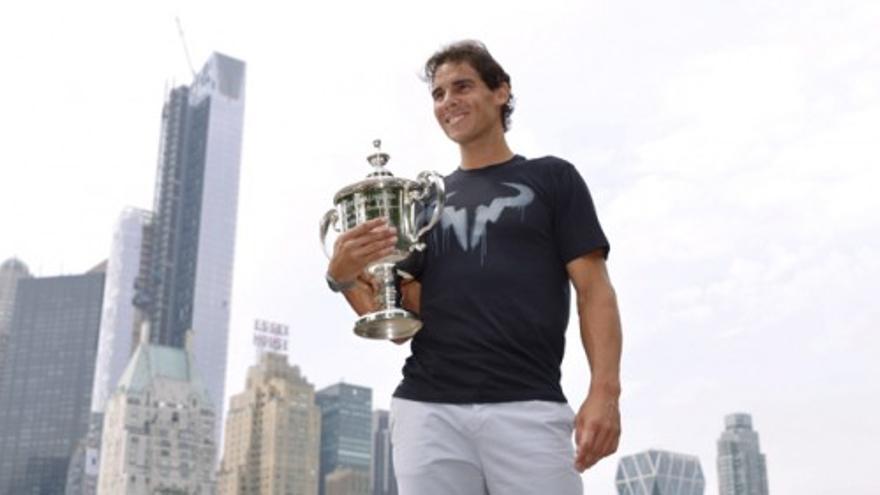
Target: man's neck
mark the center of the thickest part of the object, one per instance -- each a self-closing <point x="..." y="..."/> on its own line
<point x="485" y="153"/>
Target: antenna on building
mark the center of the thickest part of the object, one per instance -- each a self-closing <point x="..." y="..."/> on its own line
<point x="185" y="49"/>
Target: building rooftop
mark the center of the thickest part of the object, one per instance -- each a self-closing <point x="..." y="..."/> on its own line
<point x="151" y="361"/>
<point x="15" y="265"/>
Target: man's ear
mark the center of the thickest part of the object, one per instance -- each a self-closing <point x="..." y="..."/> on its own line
<point x="502" y="94"/>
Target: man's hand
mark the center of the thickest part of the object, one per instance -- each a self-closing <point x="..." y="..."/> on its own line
<point x="597" y="429"/>
<point x="360" y="246"/>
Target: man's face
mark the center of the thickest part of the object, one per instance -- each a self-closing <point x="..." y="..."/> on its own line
<point x="464" y="106"/>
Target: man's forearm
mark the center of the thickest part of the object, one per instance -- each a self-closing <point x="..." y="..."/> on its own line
<point x="361" y="298"/>
<point x="602" y="339"/>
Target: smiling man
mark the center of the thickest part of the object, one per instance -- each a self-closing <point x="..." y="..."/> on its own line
<point x="480" y="409"/>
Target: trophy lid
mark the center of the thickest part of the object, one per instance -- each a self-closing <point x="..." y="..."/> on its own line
<point x="379" y="178"/>
<point x="378" y="161"/>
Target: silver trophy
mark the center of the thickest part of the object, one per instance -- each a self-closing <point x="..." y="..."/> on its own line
<point x="403" y="203"/>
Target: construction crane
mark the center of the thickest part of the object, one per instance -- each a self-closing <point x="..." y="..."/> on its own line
<point x="185" y="49"/>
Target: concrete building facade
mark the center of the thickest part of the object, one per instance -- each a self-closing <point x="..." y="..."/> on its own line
<point x="272" y="435"/>
<point x="158" y="427"/>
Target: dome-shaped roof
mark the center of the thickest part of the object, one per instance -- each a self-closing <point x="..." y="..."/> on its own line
<point x="15" y="265"/>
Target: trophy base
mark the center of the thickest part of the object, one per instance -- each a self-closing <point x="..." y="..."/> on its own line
<point x="387" y="324"/>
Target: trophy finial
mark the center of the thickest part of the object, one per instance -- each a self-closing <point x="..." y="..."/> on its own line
<point x="378" y="160"/>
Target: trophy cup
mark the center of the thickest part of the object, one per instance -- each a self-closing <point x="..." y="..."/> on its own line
<point x="403" y="203"/>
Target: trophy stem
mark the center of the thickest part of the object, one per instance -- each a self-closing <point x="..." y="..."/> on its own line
<point x="386" y="296"/>
<point x="389" y="321"/>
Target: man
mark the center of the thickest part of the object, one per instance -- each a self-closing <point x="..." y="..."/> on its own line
<point x="480" y="409"/>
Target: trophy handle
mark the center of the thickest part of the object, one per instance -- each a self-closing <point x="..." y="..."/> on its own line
<point x="426" y="179"/>
<point x="329" y="219"/>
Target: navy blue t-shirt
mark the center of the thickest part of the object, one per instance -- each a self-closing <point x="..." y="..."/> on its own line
<point x="495" y="291"/>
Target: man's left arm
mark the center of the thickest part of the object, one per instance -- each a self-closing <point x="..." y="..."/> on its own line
<point x="597" y="424"/>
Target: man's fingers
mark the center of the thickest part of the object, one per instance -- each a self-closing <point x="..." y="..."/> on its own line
<point x="584" y="446"/>
<point x="367" y="226"/>
<point x="602" y="443"/>
<point x="361" y="229"/>
<point x="593" y="444"/>
<point x="386" y="235"/>
<point x="372" y="252"/>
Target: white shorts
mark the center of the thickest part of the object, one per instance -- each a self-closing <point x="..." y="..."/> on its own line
<point x="508" y="448"/>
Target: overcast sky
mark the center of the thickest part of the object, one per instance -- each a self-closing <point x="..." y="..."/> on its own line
<point x="731" y="148"/>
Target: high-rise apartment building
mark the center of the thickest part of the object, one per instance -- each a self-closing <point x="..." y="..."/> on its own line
<point x="185" y="279"/>
<point x="742" y="468"/>
<point x="382" y="480"/>
<point x="658" y="472"/>
<point x="273" y="433"/>
<point x="346" y="416"/>
<point x="47" y="380"/>
<point x="158" y="434"/>
<point x="11" y="271"/>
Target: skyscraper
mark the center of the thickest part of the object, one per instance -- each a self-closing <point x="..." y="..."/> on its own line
<point x="10" y="272"/>
<point x="658" y="472"/>
<point x="47" y="380"/>
<point x="382" y="480"/>
<point x="346" y="414"/>
<point x="742" y="468"/>
<point x="185" y="278"/>
<point x="273" y="433"/>
<point x="115" y="342"/>
<point x="158" y="426"/>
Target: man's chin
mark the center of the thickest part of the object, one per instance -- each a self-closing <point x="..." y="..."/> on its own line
<point x="456" y="137"/>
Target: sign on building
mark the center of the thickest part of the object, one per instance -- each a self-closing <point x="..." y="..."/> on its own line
<point x="270" y="336"/>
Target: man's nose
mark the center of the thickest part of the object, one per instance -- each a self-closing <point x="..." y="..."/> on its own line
<point x="447" y="102"/>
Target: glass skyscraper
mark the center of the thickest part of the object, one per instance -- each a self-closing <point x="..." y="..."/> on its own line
<point x="657" y="472"/>
<point x="47" y="380"/>
<point x="346" y="417"/>
<point x="742" y="468"/>
<point x="185" y="278"/>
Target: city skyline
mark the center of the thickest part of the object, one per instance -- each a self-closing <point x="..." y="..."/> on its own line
<point x="730" y="149"/>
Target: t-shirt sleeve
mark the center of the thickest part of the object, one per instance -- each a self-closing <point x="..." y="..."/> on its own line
<point x="576" y="224"/>
<point x="412" y="267"/>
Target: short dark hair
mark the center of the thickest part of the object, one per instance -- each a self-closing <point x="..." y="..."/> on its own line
<point x="474" y="53"/>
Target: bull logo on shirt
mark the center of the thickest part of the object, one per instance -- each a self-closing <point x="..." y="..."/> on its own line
<point x="456" y="219"/>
